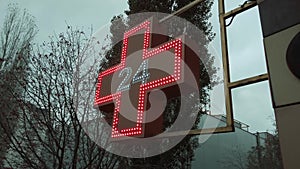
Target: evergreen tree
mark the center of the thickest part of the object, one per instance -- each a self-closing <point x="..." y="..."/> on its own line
<point x="181" y="155"/>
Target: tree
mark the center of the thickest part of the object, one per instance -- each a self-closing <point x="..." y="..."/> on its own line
<point x="16" y="36"/>
<point x="44" y="129"/>
<point x="50" y="133"/>
<point x="236" y="158"/>
<point x="267" y="154"/>
<point x="181" y="155"/>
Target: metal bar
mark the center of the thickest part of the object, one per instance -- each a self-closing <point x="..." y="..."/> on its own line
<point x="248" y="81"/>
<point x="225" y="58"/>
<point x="181" y="10"/>
<point x="211" y="130"/>
<point x="226" y="72"/>
<point x="196" y="132"/>
<point x="240" y="9"/>
<point x="226" y="15"/>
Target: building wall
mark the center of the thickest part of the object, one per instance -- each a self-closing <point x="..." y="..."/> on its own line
<point x="224" y="150"/>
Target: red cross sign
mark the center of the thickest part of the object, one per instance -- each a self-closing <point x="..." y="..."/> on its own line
<point x="156" y="63"/>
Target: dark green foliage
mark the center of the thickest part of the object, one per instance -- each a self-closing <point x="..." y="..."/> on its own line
<point x="181" y="155"/>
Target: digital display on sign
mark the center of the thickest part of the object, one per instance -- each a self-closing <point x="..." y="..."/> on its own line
<point x="149" y="61"/>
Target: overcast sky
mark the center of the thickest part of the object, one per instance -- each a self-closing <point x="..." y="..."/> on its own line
<point x="252" y="104"/>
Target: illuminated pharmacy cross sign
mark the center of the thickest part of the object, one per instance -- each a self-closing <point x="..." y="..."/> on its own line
<point x="144" y="66"/>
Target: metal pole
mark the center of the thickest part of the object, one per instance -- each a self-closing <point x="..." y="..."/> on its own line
<point x="181" y="10"/>
<point x="227" y="91"/>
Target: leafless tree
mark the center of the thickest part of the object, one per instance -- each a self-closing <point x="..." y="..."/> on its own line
<point x="237" y="158"/>
<point x="16" y="35"/>
<point x="46" y="131"/>
<point x="267" y="154"/>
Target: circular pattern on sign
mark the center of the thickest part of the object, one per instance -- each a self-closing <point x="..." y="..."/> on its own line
<point x="293" y="56"/>
<point x="98" y="124"/>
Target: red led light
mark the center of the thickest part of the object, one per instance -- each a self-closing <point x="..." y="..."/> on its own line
<point x="145" y="87"/>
